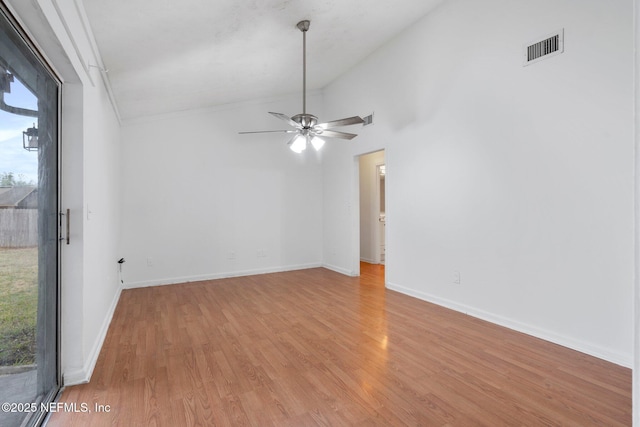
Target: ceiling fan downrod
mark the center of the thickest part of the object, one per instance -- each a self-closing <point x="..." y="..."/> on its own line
<point x="304" y="27"/>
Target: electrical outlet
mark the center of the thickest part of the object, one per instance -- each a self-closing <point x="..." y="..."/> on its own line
<point x="149" y="262"/>
<point x="231" y="255"/>
<point x="456" y="277"/>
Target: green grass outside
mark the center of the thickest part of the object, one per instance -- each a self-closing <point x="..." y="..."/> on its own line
<point x="18" y="305"/>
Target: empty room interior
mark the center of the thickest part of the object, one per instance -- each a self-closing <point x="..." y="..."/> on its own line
<point x="419" y="212"/>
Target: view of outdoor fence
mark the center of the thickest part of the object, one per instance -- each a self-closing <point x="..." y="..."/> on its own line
<point x="18" y="228"/>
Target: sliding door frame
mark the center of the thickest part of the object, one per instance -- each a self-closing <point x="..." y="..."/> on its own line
<point x="37" y="417"/>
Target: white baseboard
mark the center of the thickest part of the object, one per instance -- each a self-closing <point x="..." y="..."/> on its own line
<point x="339" y="270"/>
<point x="581" y="346"/>
<point x="82" y="376"/>
<point x="214" y="276"/>
<point x="75" y="377"/>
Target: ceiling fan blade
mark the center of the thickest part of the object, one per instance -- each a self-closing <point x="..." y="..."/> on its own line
<point x="336" y="134"/>
<point x="269" y="131"/>
<point x="286" y="119"/>
<point x="355" y="120"/>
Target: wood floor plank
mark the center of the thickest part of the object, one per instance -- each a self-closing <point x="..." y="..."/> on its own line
<point x="316" y="348"/>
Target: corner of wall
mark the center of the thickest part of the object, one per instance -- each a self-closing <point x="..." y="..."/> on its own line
<point x="636" y="258"/>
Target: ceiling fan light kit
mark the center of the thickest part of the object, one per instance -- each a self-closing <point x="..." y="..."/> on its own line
<point x="307" y="130"/>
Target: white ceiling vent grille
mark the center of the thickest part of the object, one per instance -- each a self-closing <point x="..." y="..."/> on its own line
<point x="544" y="48"/>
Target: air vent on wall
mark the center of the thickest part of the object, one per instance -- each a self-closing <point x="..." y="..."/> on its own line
<point x="544" y="48"/>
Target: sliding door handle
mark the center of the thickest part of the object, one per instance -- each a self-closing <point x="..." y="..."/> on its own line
<point x="68" y="222"/>
<point x="66" y="225"/>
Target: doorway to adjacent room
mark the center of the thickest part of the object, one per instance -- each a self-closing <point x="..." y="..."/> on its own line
<point x="372" y="189"/>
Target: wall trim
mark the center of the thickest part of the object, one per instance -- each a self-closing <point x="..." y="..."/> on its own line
<point x="340" y="270"/>
<point x="63" y="20"/>
<point x="95" y="52"/>
<point x="83" y="375"/>
<point x="581" y="346"/>
<point x="215" y="276"/>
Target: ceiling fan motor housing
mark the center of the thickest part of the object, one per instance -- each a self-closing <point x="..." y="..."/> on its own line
<point x="307" y="121"/>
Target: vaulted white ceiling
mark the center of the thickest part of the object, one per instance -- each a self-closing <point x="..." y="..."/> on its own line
<point x="167" y="55"/>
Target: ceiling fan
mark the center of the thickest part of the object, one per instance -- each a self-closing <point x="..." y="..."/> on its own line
<point x="307" y="130"/>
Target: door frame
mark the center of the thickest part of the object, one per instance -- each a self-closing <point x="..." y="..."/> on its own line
<point x="380" y="234"/>
<point x="356" y="209"/>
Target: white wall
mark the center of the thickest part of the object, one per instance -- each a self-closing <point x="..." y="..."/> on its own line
<point x="196" y="192"/>
<point x="90" y="150"/>
<point x="101" y="218"/>
<point x="520" y="178"/>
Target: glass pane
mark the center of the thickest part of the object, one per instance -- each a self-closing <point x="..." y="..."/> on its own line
<point x="28" y="231"/>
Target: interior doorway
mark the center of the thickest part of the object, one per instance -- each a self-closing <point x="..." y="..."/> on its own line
<point x="372" y="197"/>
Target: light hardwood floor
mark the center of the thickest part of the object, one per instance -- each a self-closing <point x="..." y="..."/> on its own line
<point x="313" y="347"/>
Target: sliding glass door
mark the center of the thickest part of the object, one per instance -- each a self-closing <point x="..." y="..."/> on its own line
<point x="29" y="230"/>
